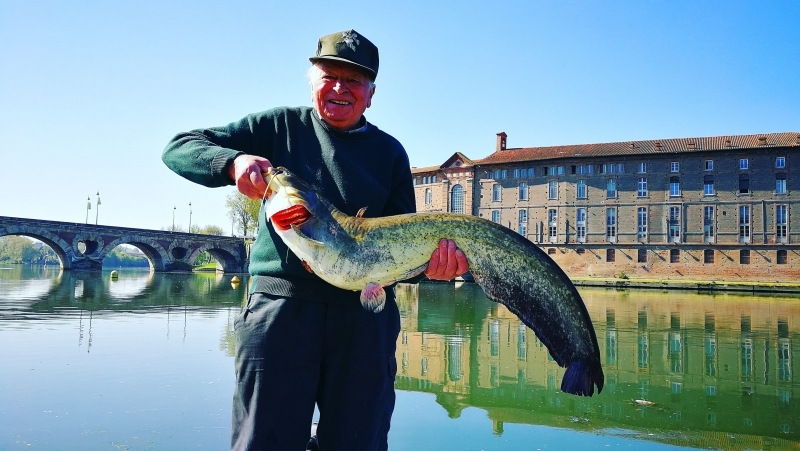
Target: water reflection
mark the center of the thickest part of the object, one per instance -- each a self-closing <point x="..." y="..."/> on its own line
<point x="681" y="368"/>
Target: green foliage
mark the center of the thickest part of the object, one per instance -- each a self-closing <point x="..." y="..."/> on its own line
<point x="623" y="276"/>
<point x="243" y="211"/>
<point x="19" y="249"/>
<point x="117" y="258"/>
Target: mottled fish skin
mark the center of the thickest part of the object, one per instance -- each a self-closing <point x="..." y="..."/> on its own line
<point x="351" y="252"/>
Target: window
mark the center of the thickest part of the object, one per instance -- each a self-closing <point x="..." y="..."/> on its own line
<point x="620" y="168"/>
<point x="674" y="255"/>
<point x="496" y="190"/>
<point x="744" y="224"/>
<point x="708" y="185"/>
<point x="641" y="256"/>
<point x="580" y="225"/>
<point x="457" y="199"/>
<point x="611" y="188"/>
<point x="744" y="257"/>
<point x="552" y="225"/>
<point x="780" y="183"/>
<point x="497" y="174"/>
<point x="780" y="162"/>
<point x="611" y="224"/>
<point x="523" y="173"/>
<point x="674" y="186"/>
<point x="590" y="169"/>
<point x="642" y="168"/>
<point x="496" y="216"/>
<point x="708" y="256"/>
<point x="581" y="189"/>
<point x="641" y="215"/>
<point x="709" y="165"/>
<point x="428" y="196"/>
<point x="551" y="170"/>
<point x="781" y="223"/>
<point x="523" y="222"/>
<point x="610" y="255"/>
<point x="641" y="187"/>
<point x="744" y="163"/>
<point x="708" y="224"/>
<point x="552" y="190"/>
<point x="674" y="224"/>
<point x="523" y="191"/>
<point x="560" y="170"/>
<point x="551" y="251"/>
<point x="744" y="183"/>
<point x="782" y="257"/>
<point x="674" y="167"/>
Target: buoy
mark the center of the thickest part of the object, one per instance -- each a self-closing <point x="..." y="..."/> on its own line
<point x="114" y="275"/>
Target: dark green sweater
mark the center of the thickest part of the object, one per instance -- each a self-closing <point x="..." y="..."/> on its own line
<point x="367" y="168"/>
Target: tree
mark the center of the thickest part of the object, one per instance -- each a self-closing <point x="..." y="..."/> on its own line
<point x="243" y="211"/>
<point x="17" y="249"/>
<point x="208" y="230"/>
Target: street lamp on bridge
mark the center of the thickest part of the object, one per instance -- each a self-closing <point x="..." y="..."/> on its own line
<point x="97" y="209"/>
<point x="88" y="207"/>
<point x="190" y="217"/>
<point x="173" y="217"/>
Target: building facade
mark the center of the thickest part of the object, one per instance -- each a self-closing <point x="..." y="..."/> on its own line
<point x="718" y="208"/>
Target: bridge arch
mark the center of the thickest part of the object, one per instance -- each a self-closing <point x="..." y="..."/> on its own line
<point x="155" y="253"/>
<point x="60" y="247"/>
<point x="228" y="261"/>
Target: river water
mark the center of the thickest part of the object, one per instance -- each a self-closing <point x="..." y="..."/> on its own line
<point x="145" y="363"/>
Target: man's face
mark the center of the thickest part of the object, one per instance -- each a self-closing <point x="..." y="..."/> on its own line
<point x="340" y="94"/>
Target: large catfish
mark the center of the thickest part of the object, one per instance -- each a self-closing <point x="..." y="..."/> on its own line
<point x="368" y="254"/>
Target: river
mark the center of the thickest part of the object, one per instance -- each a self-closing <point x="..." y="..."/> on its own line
<point x="145" y="362"/>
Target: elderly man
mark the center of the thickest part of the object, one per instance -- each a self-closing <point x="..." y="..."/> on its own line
<point x="301" y="341"/>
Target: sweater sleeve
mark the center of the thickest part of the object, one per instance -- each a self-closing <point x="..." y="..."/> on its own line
<point x="401" y="199"/>
<point x="204" y="155"/>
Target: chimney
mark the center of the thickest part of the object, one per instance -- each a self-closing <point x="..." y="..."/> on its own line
<point x="501" y="141"/>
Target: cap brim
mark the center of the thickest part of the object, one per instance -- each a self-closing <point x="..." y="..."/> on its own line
<point x="369" y="71"/>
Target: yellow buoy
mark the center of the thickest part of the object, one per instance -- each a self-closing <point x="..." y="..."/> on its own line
<point x="114" y="275"/>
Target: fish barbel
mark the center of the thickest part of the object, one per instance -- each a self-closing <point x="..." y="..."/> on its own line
<point x="368" y="254"/>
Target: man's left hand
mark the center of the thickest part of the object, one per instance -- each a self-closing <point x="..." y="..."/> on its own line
<point x="447" y="262"/>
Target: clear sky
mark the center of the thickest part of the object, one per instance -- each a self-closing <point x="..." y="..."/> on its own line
<point x="91" y="91"/>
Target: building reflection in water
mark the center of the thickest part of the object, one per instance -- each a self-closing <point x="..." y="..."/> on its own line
<point x="716" y="368"/>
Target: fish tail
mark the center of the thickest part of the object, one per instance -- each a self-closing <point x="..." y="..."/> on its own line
<point x="581" y="378"/>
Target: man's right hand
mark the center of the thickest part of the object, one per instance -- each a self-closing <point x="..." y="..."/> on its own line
<point x="246" y="171"/>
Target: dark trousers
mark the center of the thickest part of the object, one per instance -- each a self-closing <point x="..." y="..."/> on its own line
<point x="291" y="354"/>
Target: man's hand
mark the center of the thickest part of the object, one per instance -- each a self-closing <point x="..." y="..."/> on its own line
<point x="246" y="171"/>
<point x="447" y="262"/>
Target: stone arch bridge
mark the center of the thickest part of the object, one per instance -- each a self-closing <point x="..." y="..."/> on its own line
<point x="84" y="246"/>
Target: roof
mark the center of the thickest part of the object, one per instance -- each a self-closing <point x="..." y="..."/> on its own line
<point x="650" y="147"/>
<point x="458" y="159"/>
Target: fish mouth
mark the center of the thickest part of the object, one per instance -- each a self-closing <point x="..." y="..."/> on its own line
<point x="292" y="216"/>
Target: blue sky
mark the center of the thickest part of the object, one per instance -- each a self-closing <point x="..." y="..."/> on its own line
<point x="90" y="92"/>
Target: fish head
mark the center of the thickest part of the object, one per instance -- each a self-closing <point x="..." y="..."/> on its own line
<point x="288" y="201"/>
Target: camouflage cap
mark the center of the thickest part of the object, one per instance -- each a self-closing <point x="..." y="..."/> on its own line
<point x="348" y="47"/>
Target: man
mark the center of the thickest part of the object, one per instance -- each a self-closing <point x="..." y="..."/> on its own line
<point x="300" y="341"/>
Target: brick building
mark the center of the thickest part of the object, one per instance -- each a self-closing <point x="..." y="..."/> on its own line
<point x="718" y="208"/>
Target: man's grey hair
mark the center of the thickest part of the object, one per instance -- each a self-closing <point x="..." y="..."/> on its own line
<point x="313" y="73"/>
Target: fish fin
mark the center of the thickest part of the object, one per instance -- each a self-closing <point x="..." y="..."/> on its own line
<point x="305" y="265"/>
<point x="413" y="272"/>
<point x="305" y="237"/>
<point x="373" y="297"/>
<point x="581" y="378"/>
<point x="361" y="212"/>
